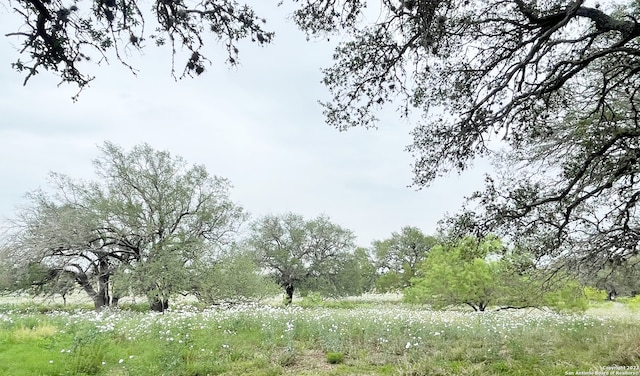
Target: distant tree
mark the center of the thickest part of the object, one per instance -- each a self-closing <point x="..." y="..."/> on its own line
<point x="8" y="273"/>
<point x="398" y="257"/>
<point x="37" y="280"/>
<point x="351" y="274"/>
<point x="360" y="272"/>
<point x="149" y="212"/>
<point x="479" y="274"/>
<point x="33" y="278"/>
<point x="61" y="283"/>
<point x="301" y="253"/>
<point x="616" y="278"/>
<point x="235" y="277"/>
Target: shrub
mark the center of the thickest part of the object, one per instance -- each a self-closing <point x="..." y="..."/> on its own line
<point x="634" y="303"/>
<point x="335" y="357"/>
<point x="594" y="295"/>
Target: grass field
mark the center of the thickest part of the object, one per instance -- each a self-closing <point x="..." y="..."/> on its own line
<point x="350" y="337"/>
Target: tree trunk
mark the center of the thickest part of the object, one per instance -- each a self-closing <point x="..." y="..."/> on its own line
<point x="100" y="302"/>
<point x="103" y="292"/>
<point x="158" y="304"/>
<point x="98" y="299"/>
<point x="288" y="289"/>
<point x="611" y="293"/>
<point x="103" y="282"/>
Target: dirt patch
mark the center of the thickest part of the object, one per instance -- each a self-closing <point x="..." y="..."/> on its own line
<point x="305" y="361"/>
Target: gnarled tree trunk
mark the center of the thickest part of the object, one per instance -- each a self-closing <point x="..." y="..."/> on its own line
<point x="98" y="298"/>
<point x="288" y="289"/>
<point x="158" y="304"/>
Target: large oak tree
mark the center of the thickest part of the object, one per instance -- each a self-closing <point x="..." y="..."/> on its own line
<point x="148" y="212"/>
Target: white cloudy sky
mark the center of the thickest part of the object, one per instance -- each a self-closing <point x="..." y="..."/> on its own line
<point x="259" y="125"/>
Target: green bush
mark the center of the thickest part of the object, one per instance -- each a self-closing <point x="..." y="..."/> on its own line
<point x="633" y="303"/>
<point x="287" y="358"/>
<point x="335" y="357"/>
<point x="594" y="295"/>
<point x="311" y="300"/>
<point x="567" y="298"/>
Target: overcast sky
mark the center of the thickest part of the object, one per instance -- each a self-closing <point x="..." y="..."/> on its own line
<point x="259" y="125"/>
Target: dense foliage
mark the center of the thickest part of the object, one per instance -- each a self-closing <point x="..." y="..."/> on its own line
<point x="150" y="217"/>
<point x="482" y="273"/>
<point x="312" y="255"/>
<point x="398" y="257"/>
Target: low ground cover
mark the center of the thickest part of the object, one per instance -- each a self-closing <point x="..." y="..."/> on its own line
<point x="365" y="338"/>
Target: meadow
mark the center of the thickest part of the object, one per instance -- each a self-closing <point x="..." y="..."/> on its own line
<point x="347" y="337"/>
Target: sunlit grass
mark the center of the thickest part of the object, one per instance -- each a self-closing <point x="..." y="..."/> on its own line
<point x="33" y="333"/>
<point x="370" y="338"/>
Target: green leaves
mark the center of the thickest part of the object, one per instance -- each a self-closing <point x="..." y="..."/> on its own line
<point x="479" y="274"/>
<point x="307" y="254"/>
<point x="454" y="275"/>
<point x="235" y="277"/>
<point x="398" y="257"/>
<point x="147" y="221"/>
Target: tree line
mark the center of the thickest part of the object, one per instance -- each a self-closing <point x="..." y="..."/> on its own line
<point x="152" y="225"/>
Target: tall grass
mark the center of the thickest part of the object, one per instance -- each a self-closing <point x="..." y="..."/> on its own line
<point x="265" y="340"/>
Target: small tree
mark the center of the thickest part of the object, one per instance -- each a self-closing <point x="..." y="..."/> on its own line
<point x="457" y="274"/>
<point x="480" y="273"/>
<point x="235" y="277"/>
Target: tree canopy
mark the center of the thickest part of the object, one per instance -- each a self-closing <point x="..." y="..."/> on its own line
<point x="312" y="255"/>
<point x="481" y="273"/>
<point x="398" y="257"/>
<point x="149" y="215"/>
<point x="553" y="84"/>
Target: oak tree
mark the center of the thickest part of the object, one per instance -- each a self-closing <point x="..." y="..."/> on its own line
<point x="148" y="212"/>
<point x="398" y="257"/>
<point x="299" y="253"/>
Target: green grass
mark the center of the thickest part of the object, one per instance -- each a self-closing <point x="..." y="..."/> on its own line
<point x="358" y="338"/>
